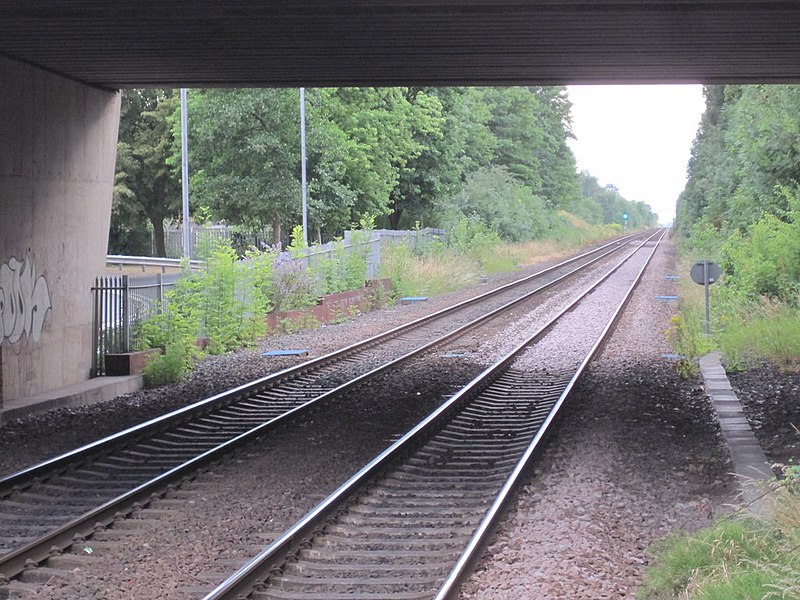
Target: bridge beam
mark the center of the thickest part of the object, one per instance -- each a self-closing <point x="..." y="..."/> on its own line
<point x="57" y="152"/>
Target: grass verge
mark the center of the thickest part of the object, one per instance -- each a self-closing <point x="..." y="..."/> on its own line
<point x="738" y="558"/>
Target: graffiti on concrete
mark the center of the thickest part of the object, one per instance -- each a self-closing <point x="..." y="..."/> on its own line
<point x="24" y="300"/>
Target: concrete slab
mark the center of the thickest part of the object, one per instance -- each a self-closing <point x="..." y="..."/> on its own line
<point x="285" y="353"/>
<point x="96" y="390"/>
<point x="750" y="464"/>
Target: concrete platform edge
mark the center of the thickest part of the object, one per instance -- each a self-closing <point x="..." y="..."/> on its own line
<point x="750" y="464"/>
<point x="93" y="391"/>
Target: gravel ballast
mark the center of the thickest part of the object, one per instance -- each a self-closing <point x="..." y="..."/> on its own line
<point x="636" y="455"/>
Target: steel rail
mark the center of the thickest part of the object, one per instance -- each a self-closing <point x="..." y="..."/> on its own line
<point x="14" y="562"/>
<point x="20" y="478"/>
<point x="463" y="566"/>
<point x="252" y="574"/>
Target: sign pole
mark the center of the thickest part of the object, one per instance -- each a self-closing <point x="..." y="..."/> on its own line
<point x="705" y="272"/>
<point x="708" y="310"/>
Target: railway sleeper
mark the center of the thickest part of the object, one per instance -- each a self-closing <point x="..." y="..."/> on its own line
<point x="352" y="585"/>
<point x="432" y="488"/>
<point x="450" y="439"/>
<point x="411" y="475"/>
<point x="399" y="531"/>
<point x="493" y="452"/>
<point x="448" y="472"/>
<point x="425" y="495"/>
<point x="357" y="545"/>
<point x="421" y="503"/>
<point x="406" y="519"/>
<point x="308" y="568"/>
<point x="332" y="554"/>
<point x="491" y="447"/>
<point x="431" y="510"/>
<point x="278" y="594"/>
<point x="470" y="463"/>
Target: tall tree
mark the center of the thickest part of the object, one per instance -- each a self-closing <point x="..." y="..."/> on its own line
<point x="614" y="205"/>
<point x="461" y="144"/>
<point x="385" y="129"/>
<point x="519" y="135"/>
<point x="745" y="151"/>
<point x="146" y="186"/>
<point x="561" y="184"/>
<point x="245" y="155"/>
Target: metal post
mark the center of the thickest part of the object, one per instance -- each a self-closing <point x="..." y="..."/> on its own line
<point x="708" y="311"/>
<point x="161" y="292"/>
<point x="126" y="316"/>
<point x="187" y="234"/>
<point x="304" y="187"/>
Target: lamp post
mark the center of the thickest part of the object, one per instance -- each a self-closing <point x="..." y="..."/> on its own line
<point x="187" y="226"/>
<point x="303" y="185"/>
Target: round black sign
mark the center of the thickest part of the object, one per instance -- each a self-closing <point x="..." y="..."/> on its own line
<point x="705" y="271"/>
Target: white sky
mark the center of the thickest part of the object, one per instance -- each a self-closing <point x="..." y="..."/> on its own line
<point x="638" y="138"/>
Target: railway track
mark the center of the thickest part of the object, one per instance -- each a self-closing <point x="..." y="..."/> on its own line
<point x="409" y="525"/>
<point x="92" y="483"/>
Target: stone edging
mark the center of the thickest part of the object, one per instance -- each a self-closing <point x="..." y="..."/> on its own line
<point x="750" y="464"/>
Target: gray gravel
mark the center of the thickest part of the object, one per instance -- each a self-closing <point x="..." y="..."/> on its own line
<point x="636" y="455"/>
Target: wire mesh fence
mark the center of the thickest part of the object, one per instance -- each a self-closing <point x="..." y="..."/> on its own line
<point x="122" y="301"/>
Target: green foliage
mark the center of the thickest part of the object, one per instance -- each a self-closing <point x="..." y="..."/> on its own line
<point x="295" y="324"/>
<point x="396" y="264"/>
<point x="169" y="367"/>
<point x="745" y="150"/>
<point x="461" y="144"/>
<point x="146" y="186"/>
<point x="423" y="275"/>
<point x="245" y="154"/>
<point x="755" y="305"/>
<point x="506" y="206"/>
<point x="737" y="557"/>
<point x="231" y="311"/>
<point x="398" y="153"/>
<point x="612" y="205"/>
<point x="691" y="561"/>
<point x="472" y="250"/>
<point x="687" y="338"/>
<point x="764" y="331"/>
<point x="224" y="305"/>
<point x="765" y="261"/>
<point x="297" y="246"/>
<point x="472" y="236"/>
<point x="292" y="284"/>
<point x="174" y="332"/>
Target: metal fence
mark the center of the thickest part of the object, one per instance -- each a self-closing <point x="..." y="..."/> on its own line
<point x="242" y="240"/>
<point x="121" y="301"/>
<point x="205" y="236"/>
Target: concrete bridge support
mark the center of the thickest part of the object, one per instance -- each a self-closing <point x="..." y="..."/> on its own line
<point x="57" y="151"/>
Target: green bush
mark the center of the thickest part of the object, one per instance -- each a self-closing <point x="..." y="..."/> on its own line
<point x="169" y="367"/>
<point x="723" y="562"/>
<point x="507" y="207"/>
<point x="768" y="330"/>
<point x="765" y="261"/>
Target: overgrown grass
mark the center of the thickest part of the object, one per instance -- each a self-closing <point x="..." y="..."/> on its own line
<point x="429" y="274"/>
<point x="476" y="253"/>
<point x="767" y="331"/>
<point x="738" y="558"/>
<point x="744" y="331"/>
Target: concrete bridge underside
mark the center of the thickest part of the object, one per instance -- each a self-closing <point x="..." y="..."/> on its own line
<point x="63" y="61"/>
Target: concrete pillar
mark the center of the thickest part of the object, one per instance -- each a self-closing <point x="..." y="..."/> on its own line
<point x="57" y="152"/>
